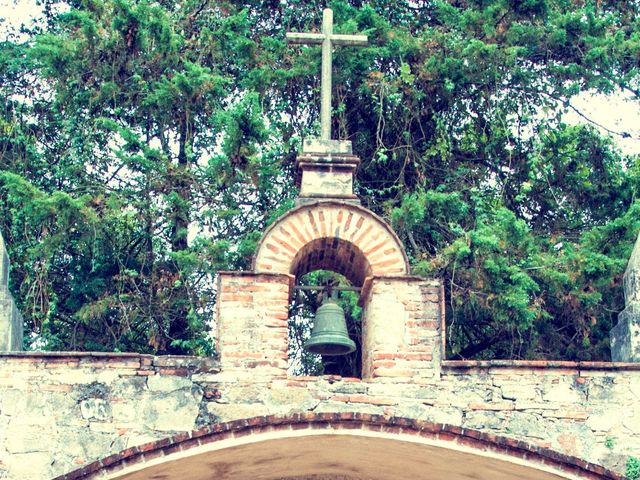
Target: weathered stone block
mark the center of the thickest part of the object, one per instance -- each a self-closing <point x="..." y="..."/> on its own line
<point x="4" y="265"/>
<point x="125" y="412"/>
<point x="167" y="384"/>
<point x="227" y="412"/>
<point x="28" y="438"/>
<point x="625" y="336"/>
<point x="315" y="182"/>
<point x="288" y="396"/>
<point x="326" y="175"/>
<point x="562" y="393"/>
<point x="484" y="419"/>
<point x="448" y="415"/>
<point x="30" y="466"/>
<point x="176" y="411"/>
<point x="11" y="324"/>
<point x="604" y="420"/>
<point x="631" y="420"/>
<point x="317" y="145"/>
<point x="529" y="426"/>
<point x="631" y="278"/>
<point x="95" y="409"/>
<point x="34" y="407"/>
<point x="11" y="328"/>
<point x="518" y="391"/>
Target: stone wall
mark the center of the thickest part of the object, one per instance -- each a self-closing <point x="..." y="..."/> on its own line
<point x="310" y="444"/>
<point x="61" y="411"/>
<point x="11" y="327"/>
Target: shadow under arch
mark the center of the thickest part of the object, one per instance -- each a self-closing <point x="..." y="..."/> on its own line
<point x="338" y="445"/>
<point x="334" y="254"/>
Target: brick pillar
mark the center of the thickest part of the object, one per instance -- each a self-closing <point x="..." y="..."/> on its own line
<point x="252" y="323"/>
<point x="401" y="328"/>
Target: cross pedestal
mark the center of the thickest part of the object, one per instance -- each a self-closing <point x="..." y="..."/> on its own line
<point x="325" y="170"/>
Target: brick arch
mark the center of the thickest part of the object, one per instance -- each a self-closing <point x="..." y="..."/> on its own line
<point x="461" y="452"/>
<point x="331" y="235"/>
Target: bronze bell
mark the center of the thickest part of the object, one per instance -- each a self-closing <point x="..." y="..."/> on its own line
<point x="329" y="335"/>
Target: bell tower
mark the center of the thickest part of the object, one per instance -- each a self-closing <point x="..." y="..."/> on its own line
<point x="328" y="229"/>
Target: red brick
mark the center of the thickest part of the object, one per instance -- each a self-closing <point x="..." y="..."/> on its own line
<point x="236" y="297"/>
<point x="56" y="388"/>
<point x="492" y="406"/>
<point x="384" y="356"/>
<point x="386" y="263"/>
<point x="383" y="363"/>
<point x="393" y="372"/>
<point x="358" y="240"/>
<point x="416" y="355"/>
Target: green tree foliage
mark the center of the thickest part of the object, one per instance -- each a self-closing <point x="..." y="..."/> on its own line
<point x="144" y="145"/>
<point x="633" y="468"/>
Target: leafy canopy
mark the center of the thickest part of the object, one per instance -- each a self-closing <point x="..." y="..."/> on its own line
<point x="145" y="145"/>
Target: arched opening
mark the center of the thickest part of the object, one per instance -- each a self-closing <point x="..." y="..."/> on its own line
<point x="303" y="314"/>
<point x="339" y="457"/>
<point x="326" y="261"/>
<point x="332" y="446"/>
<point x="331" y="236"/>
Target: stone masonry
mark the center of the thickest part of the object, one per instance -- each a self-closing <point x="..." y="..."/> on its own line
<point x="61" y="411"/>
<point x="325" y="170"/>
<point x="400" y="328"/>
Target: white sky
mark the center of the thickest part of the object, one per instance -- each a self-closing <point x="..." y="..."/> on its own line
<point x="615" y="113"/>
<point x="15" y="13"/>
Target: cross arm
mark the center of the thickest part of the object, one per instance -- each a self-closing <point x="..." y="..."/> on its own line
<point x="300" y="38"/>
<point x="305" y="38"/>
<point x="355" y="40"/>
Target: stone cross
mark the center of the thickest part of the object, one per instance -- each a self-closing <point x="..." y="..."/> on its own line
<point x="327" y="38"/>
